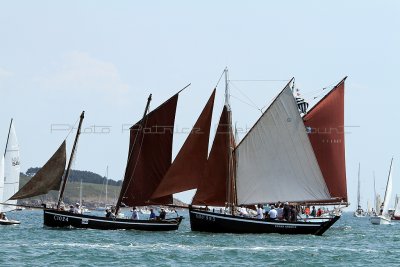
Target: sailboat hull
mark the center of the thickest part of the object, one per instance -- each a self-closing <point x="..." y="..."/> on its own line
<point x="9" y="222"/>
<point x="379" y="220"/>
<point x="205" y="221"/>
<point x="56" y="218"/>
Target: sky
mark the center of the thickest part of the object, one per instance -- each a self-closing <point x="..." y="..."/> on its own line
<point x="58" y="58"/>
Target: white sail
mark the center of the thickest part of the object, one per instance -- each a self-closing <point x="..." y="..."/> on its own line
<point x="397" y="207"/>
<point x="11" y="169"/>
<point x="388" y="193"/>
<point x="275" y="161"/>
<point x="1" y="180"/>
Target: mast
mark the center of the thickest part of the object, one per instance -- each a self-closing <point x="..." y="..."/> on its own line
<point x="106" y="184"/>
<point x="80" y="194"/>
<point x="230" y="179"/>
<point x="78" y="132"/>
<point x="358" y="192"/>
<point x="375" y="204"/>
<point x="8" y="137"/>
<point x="121" y="194"/>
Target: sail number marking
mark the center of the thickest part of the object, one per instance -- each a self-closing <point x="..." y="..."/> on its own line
<point x="286" y="226"/>
<point x="60" y="218"/>
<point x="206" y="218"/>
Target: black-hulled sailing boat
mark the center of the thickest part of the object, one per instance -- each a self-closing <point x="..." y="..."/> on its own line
<point x="149" y="160"/>
<point x="278" y="160"/>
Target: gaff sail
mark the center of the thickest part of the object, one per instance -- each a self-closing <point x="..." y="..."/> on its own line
<point x="187" y="169"/>
<point x="48" y="178"/>
<point x="275" y="160"/>
<point x="150" y="155"/>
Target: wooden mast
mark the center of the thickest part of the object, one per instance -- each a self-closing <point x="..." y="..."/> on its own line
<point x="8" y="137"/>
<point x="60" y="197"/>
<point x="121" y="194"/>
<point x="230" y="179"/>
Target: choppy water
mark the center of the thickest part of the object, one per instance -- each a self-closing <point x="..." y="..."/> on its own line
<point x="351" y="242"/>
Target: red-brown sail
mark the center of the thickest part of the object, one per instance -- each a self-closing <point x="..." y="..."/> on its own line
<point x="212" y="190"/>
<point x="151" y="156"/>
<point x="188" y="167"/>
<point x="326" y="123"/>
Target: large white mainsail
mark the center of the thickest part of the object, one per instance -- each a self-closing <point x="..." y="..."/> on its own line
<point x="275" y="160"/>
<point x="388" y="193"/>
<point x="11" y="169"/>
<point x="1" y="180"/>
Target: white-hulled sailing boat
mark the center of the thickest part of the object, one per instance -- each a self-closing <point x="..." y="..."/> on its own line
<point x="396" y="214"/>
<point x="383" y="216"/>
<point x="359" y="212"/>
<point x="278" y="160"/>
<point x="9" y="175"/>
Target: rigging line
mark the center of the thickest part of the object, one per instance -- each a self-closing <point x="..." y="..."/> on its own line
<point x="260" y="80"/>
<point x="253" y="106"/>
<point x="72" y="128"/>
<point x="248" y="98"/>
<point x="220" y="78"/>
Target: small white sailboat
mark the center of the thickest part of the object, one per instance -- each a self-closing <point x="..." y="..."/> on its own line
<point x="383" y="217"/>
<point x="359" y="212"/>
<point x="9" y="175"/>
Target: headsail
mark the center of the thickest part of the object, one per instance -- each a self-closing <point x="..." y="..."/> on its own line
<point x="212" y="190"/>
<point x="188" y="167"/>
<point x="325" y="122"/>
<point x="149" y="159"/>
<point x="11" y="168"/>
<point x="48" y="178"/>
<point x="388" y="192"/>
<point x="275" y="160"/>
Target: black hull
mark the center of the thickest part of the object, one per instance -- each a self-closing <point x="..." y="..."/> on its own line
<point x="204" y="221"/>
<point x="56" y="218"/>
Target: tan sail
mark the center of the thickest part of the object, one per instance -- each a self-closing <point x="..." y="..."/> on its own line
<point x="48" y="178"/>
<point x="188" y="166"/>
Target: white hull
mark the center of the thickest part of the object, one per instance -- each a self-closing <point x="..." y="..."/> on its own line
<point x="359" y="215"/>
<point x="378" y="220"/>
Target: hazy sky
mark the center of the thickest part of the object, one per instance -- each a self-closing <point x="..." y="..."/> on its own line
<point x="58" y="58"/>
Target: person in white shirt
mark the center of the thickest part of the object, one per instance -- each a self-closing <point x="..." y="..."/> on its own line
<point x="77" y="209"/>
<point x="272" y="214"/>
<point x="259" y="212"/>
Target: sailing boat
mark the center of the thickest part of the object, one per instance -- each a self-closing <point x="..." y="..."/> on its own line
<point x="276" y="161"/>
<point x="9" y="175"/>
<point x="149" y="160"/>
<point x="359" y="212"/>
<point x="384" y="217"/>
<point x="396" y="214"/>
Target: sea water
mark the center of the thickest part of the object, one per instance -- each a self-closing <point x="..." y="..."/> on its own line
<point x="350" y="242"/>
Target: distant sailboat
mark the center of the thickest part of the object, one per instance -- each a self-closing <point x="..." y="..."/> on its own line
<point x="383" y="216"/>
<point x="396" y="214"/>
<point x="359" y="212"/>
<point x="9" y="175"/>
